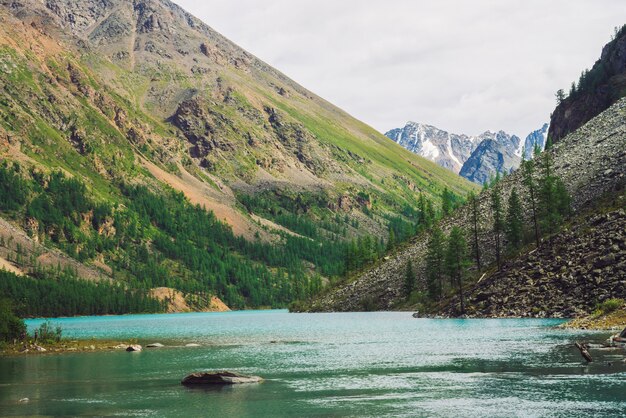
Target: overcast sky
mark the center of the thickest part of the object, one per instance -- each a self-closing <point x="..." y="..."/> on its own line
<point x="462" y="65"/>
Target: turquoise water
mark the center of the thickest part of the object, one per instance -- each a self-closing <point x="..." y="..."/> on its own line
<point x="319" y="365"/>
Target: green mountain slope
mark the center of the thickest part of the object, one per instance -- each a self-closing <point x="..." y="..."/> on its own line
<point x="149" y="150"/>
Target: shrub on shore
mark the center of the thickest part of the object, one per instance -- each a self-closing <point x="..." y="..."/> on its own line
<point x="608" y="306"/>
<point x="11" y="326"/>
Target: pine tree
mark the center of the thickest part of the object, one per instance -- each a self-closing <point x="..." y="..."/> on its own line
<point x="475" y="220"/>
<point x="514" y="220"/>
<point x="391" y="242"/>
<point x="498" y="221"/>
<point x="563" y="199"/>
<point x="409" y="278"/>
<point x="549" y="216"/>
<point x="456" y="261"/>
<point x="528" y="170"/>
<point x="548" y="143"/>
<point x="435" y="258"/>
<point x="425" y="212"/>
<point x="560" y="96"/>
<point x="447" y="202"/>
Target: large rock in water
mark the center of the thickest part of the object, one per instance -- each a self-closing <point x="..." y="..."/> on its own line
<point x="218" y="378"/>
<point x="133" y="347"/>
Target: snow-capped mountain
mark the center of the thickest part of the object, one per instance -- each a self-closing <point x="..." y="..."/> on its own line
<point x="476" y="158"/>
<point x="446" y="149"/>
<point x="497" y="152"/>
<point x="535" y="138"/>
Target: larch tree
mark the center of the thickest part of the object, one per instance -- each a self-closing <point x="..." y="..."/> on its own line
<point x="409" y="278"/>
<point x="435" y="263"/>
<point x="456" y="261"/>
<point x="498" y="222"/>
<point x="528" y="172"/>
<point x="514" y="227"/>
<point x="475" y="220"/>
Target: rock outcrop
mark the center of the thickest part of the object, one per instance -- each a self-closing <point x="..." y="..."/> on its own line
<point x="178" y="302"/>
<point x="597" y="89"/>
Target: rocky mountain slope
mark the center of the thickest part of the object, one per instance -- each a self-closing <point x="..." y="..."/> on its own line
<point x="592" y="164"/>
<point x="581" y="267"/>
<point x="595" y="91"/>
<point x="140" y="102"/>
<point x="476" y="158"/>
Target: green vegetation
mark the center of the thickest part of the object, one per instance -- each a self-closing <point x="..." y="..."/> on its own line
<point x="63" y="294"/>
<point x="435" y="264"/>
<point x="48" y="333"/>
<point x="599" y="74"/>
<point x="607" y="307"/>
<point x="514" y="221"/>
<point x="456" y="261"/>
<point x="446" y="264"/>
<point x="136" y="238"/>
<point x="409" y="278"/>
<point x="472" y="201"/>
<point x="11" y="326"/>
<point x="83" y="189"/>
<point x="498" y="222"/>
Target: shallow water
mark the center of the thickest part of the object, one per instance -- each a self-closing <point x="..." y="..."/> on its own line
<point x="326" y="365"/>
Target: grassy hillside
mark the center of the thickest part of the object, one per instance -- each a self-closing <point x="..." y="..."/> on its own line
<point x="166" y="156"/>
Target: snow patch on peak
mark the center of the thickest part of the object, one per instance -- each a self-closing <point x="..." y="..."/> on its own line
<point x="429" y="150"/>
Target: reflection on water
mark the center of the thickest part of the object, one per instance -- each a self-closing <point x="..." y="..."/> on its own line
<point x="357" y="364"/>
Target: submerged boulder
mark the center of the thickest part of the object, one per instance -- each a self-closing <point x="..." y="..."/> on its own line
<point x="218" y="378"/>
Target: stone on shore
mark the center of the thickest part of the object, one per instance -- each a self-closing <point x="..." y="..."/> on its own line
<point x="219" y="378"/>
<point x="192" y="345"/>
<point x="155" y="345"/>
<point x="133" y="347"/>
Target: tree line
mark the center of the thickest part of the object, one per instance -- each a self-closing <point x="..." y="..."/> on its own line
<point x="449" y="257"/>
<point x="61" y="293"/>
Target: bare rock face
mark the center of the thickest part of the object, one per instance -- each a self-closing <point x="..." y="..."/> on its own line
<point x="218" y="378"/>
<point x="604" y="84"/>
<point x="496" y="154"/>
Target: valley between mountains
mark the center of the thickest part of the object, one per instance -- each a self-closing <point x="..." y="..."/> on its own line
<point x="149" y="164"/>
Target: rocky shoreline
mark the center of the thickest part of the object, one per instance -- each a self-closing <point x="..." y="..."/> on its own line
<point x="64" y="346"/>
<point x="83" y="346"/>
<point x="614" y="321"/>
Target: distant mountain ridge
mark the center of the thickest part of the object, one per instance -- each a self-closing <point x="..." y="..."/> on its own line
<point x="477" y="158"/>
<point x="446" y="149"/>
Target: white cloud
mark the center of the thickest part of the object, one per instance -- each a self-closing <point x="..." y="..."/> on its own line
<point x="466" y="66"/>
